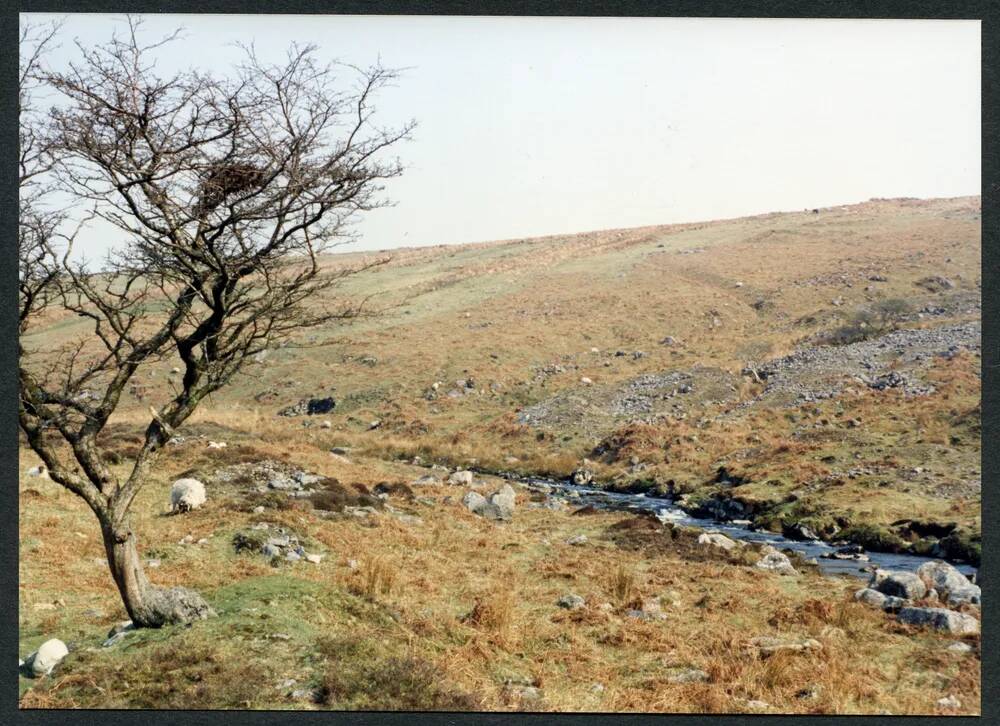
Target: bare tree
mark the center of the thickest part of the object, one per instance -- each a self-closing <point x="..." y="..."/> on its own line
<point x="225" y="190"/>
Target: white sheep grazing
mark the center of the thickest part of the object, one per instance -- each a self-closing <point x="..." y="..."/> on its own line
<point x="216" y="444"/>
<point x="186" y="494"/>
<point x="39" y="470"/>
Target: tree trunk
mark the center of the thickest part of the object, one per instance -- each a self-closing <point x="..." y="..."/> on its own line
<point x="148" y="606"/>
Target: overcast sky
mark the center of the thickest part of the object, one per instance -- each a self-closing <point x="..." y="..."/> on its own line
<point x="533" y="126"/>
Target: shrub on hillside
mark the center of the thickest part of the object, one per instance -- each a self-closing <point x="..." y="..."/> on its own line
<point x="869" y="322"/>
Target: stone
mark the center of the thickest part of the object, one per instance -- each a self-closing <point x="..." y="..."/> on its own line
<point x="935" y="283"/>
<point x="499" y="506"/>
<point x="948" y="621"/>
<point x="950" y="584"/>
<point x="898" y="583"/>
<point x="474" y="501"/>
<point x="650" y="609"/>
<point x="309" y="407"/>
<point x="186" y="495"/>
<point x="47" y="657"/>
<point x="894" y="604"/>
<point x="871" y="597"/>
<point x="768" y="645"/>
<point x="314" y="558"/>
<point x="114" y="640"/>
<point x="688" y="675"/>
<point x="259" y="509"/>
<point x="463" y="478"/>
<point x="775" y="561"/>
<point x="850" y="552"/>
<point x="949" y="702"/>
<point x="715" y="539"/>
<point x="426" y="480"/>
<point x="571" y="601"/>
<point x="799" y="531"/>
<point x="582" y="476"/>
<point x="577" y="540"/>
<point x="283" y="483"/>
<point x="959" y="647"/>
<point x="125" y="626"/>
<point x="524" y="693"/>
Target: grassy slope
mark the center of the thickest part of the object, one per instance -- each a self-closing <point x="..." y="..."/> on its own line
<point x="403" y="612"/>
<point x="493" y="312"/>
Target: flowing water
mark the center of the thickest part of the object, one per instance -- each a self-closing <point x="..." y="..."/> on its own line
<point x="666" y="511"/>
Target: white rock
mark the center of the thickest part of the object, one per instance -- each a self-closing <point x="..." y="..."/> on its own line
<point x="571" y="601"/>
<point x="463" y="478"/>
<point x="950" y="584"/>
<point x="939" y="619"/>
<point x="870" y="596"/>
<point x="47" y="657"/>
<point x="186" y="494"/>
<point x="499" y="505"/>
<point x="315" y="559"/>
<point x="715" y="539"/>
<point x="898" y="583"/>
<point x="949" y="702"/>
<point x="776" y="561"/>
<point x="585" y="381"/>
<point x="39" y="471"/>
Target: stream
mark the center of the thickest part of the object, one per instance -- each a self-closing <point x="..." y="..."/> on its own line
<point x="666" y="511"/>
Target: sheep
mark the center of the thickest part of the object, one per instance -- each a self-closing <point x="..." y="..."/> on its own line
<point x="186" y="494"/>
<point x="39" y="470"/>
<point x="216" y="444"/>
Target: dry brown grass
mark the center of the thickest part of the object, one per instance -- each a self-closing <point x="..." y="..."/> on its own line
<point x="375" y="576"/>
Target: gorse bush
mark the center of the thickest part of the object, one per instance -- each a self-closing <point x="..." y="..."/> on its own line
<point x="869" y="322"/>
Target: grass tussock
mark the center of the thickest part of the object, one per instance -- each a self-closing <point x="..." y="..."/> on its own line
<point x="358" y="678"/>
<point x="375" y="577"/>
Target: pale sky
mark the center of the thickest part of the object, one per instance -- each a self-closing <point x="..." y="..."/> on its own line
<point x="535" y="126"/>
